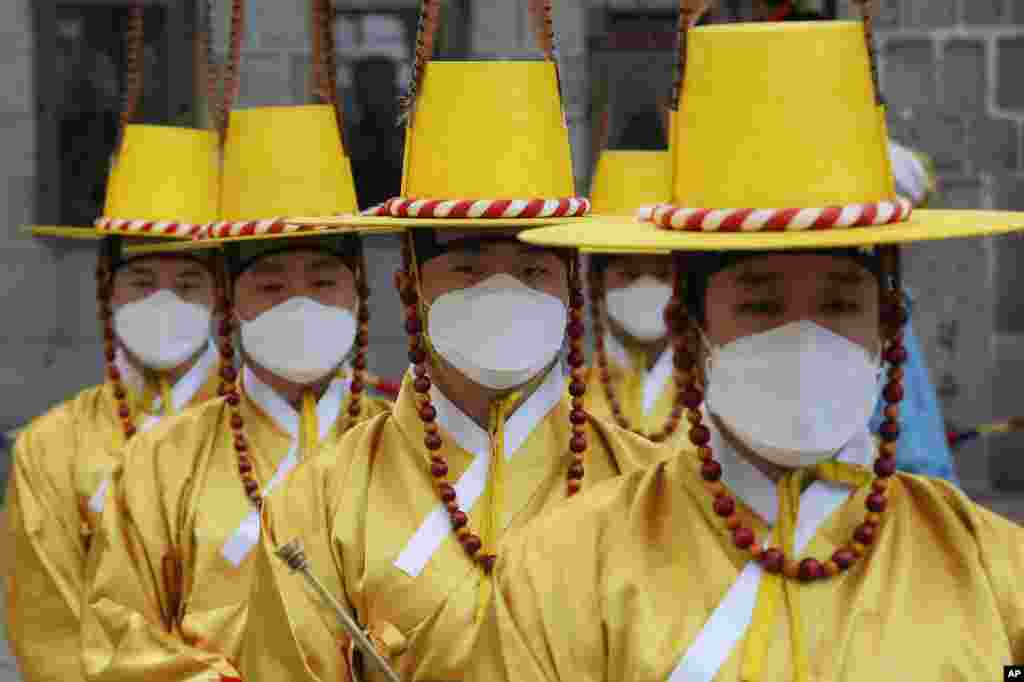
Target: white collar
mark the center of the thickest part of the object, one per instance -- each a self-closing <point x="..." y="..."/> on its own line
<point x="654" y="380"/>
<point x="284" y="415"/>
<point x="757" y="490"/>
<point x="475" y="440"/>
<point x="183" y="390"/>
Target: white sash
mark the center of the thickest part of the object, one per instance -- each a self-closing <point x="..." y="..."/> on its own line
<point x="468" y="435"/>
<point x="247" y="534"/>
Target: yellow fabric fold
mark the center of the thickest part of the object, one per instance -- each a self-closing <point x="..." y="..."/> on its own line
<point x="495" y="492"/>
<point x="632" y="400"/>
<point x="310" y="426"/>
<point x="775" y="588"/>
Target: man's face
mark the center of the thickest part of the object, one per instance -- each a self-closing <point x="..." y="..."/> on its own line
<point x="276" y="278"/>
<point x="622" y="271"/>
<point x="765" y="292"/>
<point x="143" y="277"/>
<point x="469" y="261"/>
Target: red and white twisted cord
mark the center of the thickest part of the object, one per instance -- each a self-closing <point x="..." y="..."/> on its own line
<point x="400" y="207"/>
<point x="157" y="228"/>
<point x="670" y="217"/>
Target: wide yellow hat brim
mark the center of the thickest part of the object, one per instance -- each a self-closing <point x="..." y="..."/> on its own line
<point x="633" y="236"/>
<point x="90" y="233"/>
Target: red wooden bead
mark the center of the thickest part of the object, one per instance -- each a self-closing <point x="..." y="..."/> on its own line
<point x="724" y="506"/>
<point x="452" y="506"/>
<point x="577" y="389"/>
<point x="354" y="409"/>
<point x="844" y="558"/>
<point x="578" y="417"/>
<point x="743" y="537"/>
<point x="119" y="393"/>
<point x="359" y="362"/>
<point x="439" y="469"/>
<point x="865" y="533"/>
<point x="711" y="470"/>
<point x="114" y="373"/>
<point x="110" y="354"/>
<point x="811" y="569"/>
<point x="459" y="519"/>
<point x="896" y="355"/>
<point x="417" y="356"/>
<point x="227" y="351"/>
<point x="228" y="373"/>
<point x="575" y="359"/>
<point x="487" y="563"/>
<point x="419" y="370"/>
<point x="471" y="543"/>
<point x="447" y="492"/>
<point x="251" y="486"/>
<point x="124" y="412"/>
<point x="422" y="384"/>
<point x="362" y="339"/>
<point x="237" y="422"/>
<point x="356" y="386"/>
<point x="574" y="486"/>
<point x="885" y="466"/>
<point x="244" y="465"/>
<point x="129" y="430"/>
<point x="574" y="330"/>
<point x="576" y="470"/>
<point x="240" y="444"/>
<point x="412" y="325"/>
<point x="578" y="443"/>
<point x="889" y="430"/>
<point x="428" y="413"/>
<point x="699" y="435"/>
<point x="772" y="560"/>
<point x="224" y="328"/>
<point x="893" y="392"/>
<point x="432" y="441"/>
<point x="876" y="503"/>
<point x="692" y="398"/>
<point x="576" y="300"/>
<point x="233" y="399"/>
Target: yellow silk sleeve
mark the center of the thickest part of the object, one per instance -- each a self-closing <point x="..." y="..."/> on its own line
<point x="130" y="628"/>
<point x="290" y="634"/>
<point x="1002" y="554"/>
<point x="44" y="562"/>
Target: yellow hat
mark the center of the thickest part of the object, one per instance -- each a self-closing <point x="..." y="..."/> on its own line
<point x="283" y="161"/>
<point x="627" y="180"/>
<point x="766" y="161"/>
<point x="487" y="147"/>
<point x="163" y="182"/>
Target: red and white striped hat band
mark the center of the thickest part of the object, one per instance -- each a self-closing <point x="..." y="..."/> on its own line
<point x="400" y="207"/>
<point x="154" y="228"/>
<point x="253" y="228"/>
<point x="670" y="217"/>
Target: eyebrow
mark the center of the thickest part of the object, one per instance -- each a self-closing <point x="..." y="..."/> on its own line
<point x="846" y="277"/>
<point x="140" y="271"/>
<point x="327" y="263"/>
<point x="191" y="273"/>
<point x="752" y="279"/>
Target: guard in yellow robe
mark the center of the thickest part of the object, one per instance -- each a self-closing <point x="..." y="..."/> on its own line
<point x="169" y="576"/>
<point x="632" y="366"/>
<point x="403" y="519"/>
<point x="784" y="545"/>
<point x="156" y="317"/>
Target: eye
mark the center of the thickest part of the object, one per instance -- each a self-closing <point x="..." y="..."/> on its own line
<point x="535" y="271"/>
<point x="842" y="307"/>
<point x="761" y="308"/>
<point x="325" y="283"/>
<point x="271" y="288"/>
<point x="464" y="269"/>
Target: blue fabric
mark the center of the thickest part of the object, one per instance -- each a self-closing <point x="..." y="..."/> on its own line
<point x="922" y="447"/>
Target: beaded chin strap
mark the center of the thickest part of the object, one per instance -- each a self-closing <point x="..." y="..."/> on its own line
<point x="597" y="313"/>
<point x="406" y="281"/>
<point x="772" y="559"/>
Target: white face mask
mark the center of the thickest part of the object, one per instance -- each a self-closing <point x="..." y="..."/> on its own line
<point x="499" y="333"/>
<point x="300" y="340"/>
<point x="640" y="308"/>
<point x="162" y="330"/>
<point x="794" y="395"/>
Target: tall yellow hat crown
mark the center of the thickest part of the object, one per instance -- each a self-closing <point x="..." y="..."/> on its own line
<point x="626" y="180"/>
<point x="488" y="130"/>
<point x="285" y="161"/>
<point x="164" y="174"/>
<point x="798" y="129"/>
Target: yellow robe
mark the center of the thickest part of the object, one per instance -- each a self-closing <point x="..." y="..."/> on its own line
<point x="61" y="463"/>
<point x="629" y="582"/>
<point x="371" y="506"/>
<point x="166" y="593"/>
<point x="646" y="396"/>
